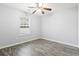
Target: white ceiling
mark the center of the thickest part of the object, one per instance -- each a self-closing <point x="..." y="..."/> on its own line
<point x="54" y="6"/>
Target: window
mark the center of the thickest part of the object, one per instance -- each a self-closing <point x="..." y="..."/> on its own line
<point x="24" y="24"/>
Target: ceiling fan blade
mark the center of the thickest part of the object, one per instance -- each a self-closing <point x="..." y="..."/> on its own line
<point x="34" y="11"/>
<point x="42" y="12"/>
<point x="49" y="9"/>
<point x="31" y="7"/>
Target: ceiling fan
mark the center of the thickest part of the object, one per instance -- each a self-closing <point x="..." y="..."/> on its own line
<point x="42" y="8"/>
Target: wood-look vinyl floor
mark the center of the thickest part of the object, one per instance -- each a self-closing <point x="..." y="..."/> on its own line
<point x="40" y="47"/>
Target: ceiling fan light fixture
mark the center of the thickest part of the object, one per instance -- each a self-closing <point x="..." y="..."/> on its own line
<point x="41" y="7"/>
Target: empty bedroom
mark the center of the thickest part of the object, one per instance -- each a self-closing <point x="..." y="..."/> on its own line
<point x="39" y="29"/>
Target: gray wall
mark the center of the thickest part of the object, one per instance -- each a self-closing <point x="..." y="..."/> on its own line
<point x="9" y="26"/>
<point x="78" y="25"/>
<point x="61" y="26"/>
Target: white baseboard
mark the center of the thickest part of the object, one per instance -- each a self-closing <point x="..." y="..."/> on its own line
<point x="60" y="42"/>
<point x="34" y="38"/>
